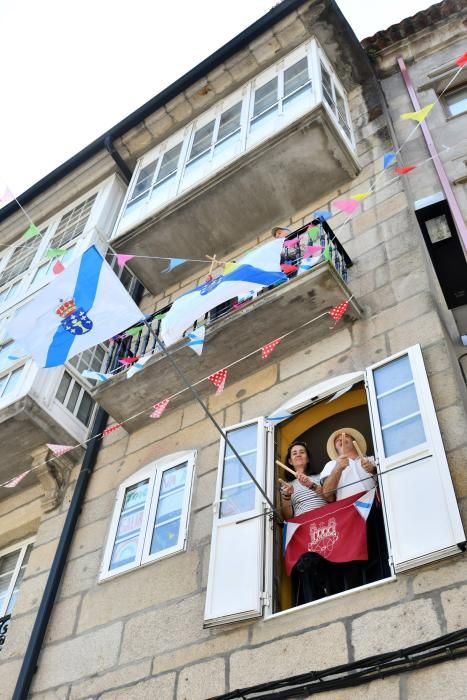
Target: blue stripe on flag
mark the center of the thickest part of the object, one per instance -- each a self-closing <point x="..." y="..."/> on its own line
<point x="363" y="504"/>
<point x="84" y="295"/>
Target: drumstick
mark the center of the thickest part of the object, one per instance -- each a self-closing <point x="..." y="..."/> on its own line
<point x="287" y="469"/>
<point x="357" y="448"/>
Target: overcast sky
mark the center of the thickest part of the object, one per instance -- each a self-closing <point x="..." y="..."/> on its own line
<point x="70" y="70"/>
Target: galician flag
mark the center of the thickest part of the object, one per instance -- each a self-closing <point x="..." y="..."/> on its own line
<point x="336" y="531"/>
<point x="80" y="308"/>
<point x="255" y="270"/>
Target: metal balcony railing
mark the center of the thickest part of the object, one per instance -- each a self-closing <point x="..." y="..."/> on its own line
<point x="145" y="342"/>
<point x="4" y="624"/>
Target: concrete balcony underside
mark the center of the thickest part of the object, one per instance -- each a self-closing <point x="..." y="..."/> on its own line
<point x="25" y="427"/>
<point x="242" y="331"/>
<point x="260" y="189"/>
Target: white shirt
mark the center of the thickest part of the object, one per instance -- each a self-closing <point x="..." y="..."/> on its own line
<point x="353" y="472"/>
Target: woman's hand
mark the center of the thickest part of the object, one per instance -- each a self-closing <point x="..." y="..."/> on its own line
<point x="306" y="481"/>
<point x="286" y="489"/>
<point x="368" y="466"/>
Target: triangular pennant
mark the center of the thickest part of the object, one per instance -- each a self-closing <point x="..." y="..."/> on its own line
<point x="98" y="376"/>
<point x="111" y="429"/>
<point x="289" y="531"/>
<point x="420" y="114"/>
<point x="403" y="170"/>
<point x="327" y="252"/>
<point x="55" y="252"/>
<point x="218" y="379"/>
<point x="173" y="263"/>
<point x="133" y="331"/>
<point x="267" y="349"/>
<point x="312" y="250"/>
<point x="137" y="366"/>
<point x="6" y="196"/>
<point x="292" y="243"/>
<point x="462" y="60"/>
<point x="313" y="233"/>
<point x="59" y="450"/>
<point x="58" y="268"/>
<point x="159" y="408"/>
<point x="31" y="232"/>
<point x="322" y="214"/>
<point x="230" y="267"/>
<point x="196" y="341"/>
<point x="388" y="159"/>
<point x="122" y="259"/>
<point x="364" y="503"/>
<point x="14" y="482"/>
<point x="129" y="360"/>
<point x="360" y="195"/>
<point x="338" y="311"/>
<point x="347" y="205"/>
<point x="160" y="316"/>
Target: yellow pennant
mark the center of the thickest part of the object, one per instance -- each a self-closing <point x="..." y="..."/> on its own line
<point x="420" y="115"/>
<point x="229" y="267"/>
<point x="361" y="195"/>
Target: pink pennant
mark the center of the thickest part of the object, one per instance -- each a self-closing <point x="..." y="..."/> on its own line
<point x="267" y="349"/>
<point x="218" y="379"/>
<point x="129" y="360"/>
<point x="403" y="170"/>
<point x="58" y="268"/>
<point x="347" y="205"/>
<point x="111" y="429"/>
<point x="462" y="60"/>
<point x="312" y="250"/>
<point x="291" y="243"/>
<point x="59" y="450"/>
<point x="14" y="482"/>
<point x="122" y="259"/>
<point x="6" y="196"/>
<point x="159" y="408"/>
<point x="338" y="311"/>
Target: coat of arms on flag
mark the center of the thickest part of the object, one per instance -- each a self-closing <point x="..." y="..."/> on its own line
<point x="73" y="318"/>
<point x="336" y="531"/>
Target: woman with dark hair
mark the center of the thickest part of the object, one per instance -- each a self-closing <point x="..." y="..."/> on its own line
<point x="300" y="494"/>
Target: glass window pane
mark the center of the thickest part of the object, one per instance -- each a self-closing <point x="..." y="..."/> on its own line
<point x="75" y="391"/>
<point x="196" y="169"/>
<point x="85" y="409"/>
<point x="393" y="374"/>
<point x="63" y="387"/>
<point x="265" y="97"/>
<point x="144" y="180"/>
<point x="169" y="162"/>
<point x="19" y="580"/>
<point x="72" y="224"/>
<point x="169" y="509"/>
<point x="229" y="121"/>
<point x="456" y="101"/>
<point x="9" y="349"/>
<point x="13" y="381"/>
<point x="129" y="525"/>
<point x="202" y="139"/>
<point x="327" y="87"/>
<point x="7" y="568"/>
<point x="403" y="436"/>
<point x="238" y="492"/>
<point x="398" y="404"/>
<point x="296" y="76"/>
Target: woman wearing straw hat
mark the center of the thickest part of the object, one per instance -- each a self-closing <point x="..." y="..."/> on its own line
<point x="349" y="472"/>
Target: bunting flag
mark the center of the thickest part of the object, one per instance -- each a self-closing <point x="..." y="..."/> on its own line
<point x="173" y="263"/>
<point x="403" y="170"/>
<point x="98" y="376"/>
<point x="31" y="232"/>
<point x="196" y="341"/>
<point x="327" y="252"/>
<point x="292" y="243"/>
<point x="122" y="259"/>
<point x="159" y="408"/>
<point x="218" y="379"/>
<point x="312" y="250"/>
<point x="267" y="349"/>
<point x="338" y="311"/>
<point x="388" y="159"/>
<point x="129" y="360"/>
<point x="278" y="417"/>
<point x="135" y="330"/>
<point x="58" y="268"/>
<point x="230" y="267"/>
<point x="313" y="233"/>
<point x="111" y="429"/>
<point x="307" y="263"/>
<point x="462" y="60"/>
<point x="420" y="115"/>
<point x="336" y="531"/>
<point x="322" y="214"/>
<point x="14" y="482"/>
<point x="59" y="450"/>
<point x="136" y="366"/>
<point x="6" y="196"/>
<point x="347" y="205"/>
<point x="55" y="252"/>
<point x="160" y="316"/>
<point x="360" y="195"/>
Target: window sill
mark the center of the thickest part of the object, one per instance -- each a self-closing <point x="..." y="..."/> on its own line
<point x="110" y="576"/>
<point x="344" y="594"/>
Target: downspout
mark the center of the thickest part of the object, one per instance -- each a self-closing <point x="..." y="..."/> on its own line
<point x="439" y="167"/>
<point x="123" y="168"/>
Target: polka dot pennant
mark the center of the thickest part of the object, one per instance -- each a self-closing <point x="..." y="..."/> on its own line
<point x="159" y="408"/>
<point x="111" y="429"/>
<point x="338" y="311"/>
<point x="218" y="379"/>
<point x="267" y="349"/>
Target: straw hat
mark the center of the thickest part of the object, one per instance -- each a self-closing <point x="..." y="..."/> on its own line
<point x="354" y="434"/>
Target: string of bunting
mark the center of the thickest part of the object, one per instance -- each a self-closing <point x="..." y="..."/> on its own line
<point x="159" y="408"/>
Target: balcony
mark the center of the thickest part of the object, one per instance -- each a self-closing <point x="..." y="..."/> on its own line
<point x="281" y="142"/>
<point x="271" y="314"/>
<point x="4" y="624"/>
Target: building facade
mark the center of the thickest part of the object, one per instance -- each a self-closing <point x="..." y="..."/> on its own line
<point x="174" y="584"/>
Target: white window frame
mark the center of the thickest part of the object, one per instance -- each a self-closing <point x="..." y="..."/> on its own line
<point x="153" y="472"/>
<point x="83" y="389"/>
<point x="22" y="547"/>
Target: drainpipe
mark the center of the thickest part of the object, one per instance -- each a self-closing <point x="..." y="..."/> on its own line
<point x="443" y="178"/>
<point x="123" y="168"/>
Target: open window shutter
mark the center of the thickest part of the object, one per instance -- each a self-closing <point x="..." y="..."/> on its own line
<point x="421" y="508"/>
<point x="236" y="563"/>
